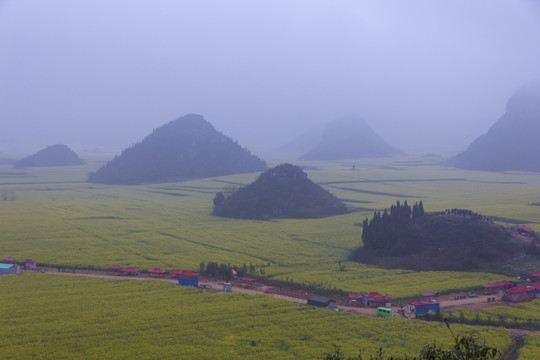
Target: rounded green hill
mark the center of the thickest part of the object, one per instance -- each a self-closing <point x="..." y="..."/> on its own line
<point x="282" y="192"/>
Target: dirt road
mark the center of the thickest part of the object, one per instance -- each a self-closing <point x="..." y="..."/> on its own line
<point x="447" y="302"/>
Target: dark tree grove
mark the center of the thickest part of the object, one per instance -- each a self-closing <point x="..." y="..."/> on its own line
<point x="386" y="232"/>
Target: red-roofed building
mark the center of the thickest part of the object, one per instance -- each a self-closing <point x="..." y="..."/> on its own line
<point x="518" y="294"/>
<point x="524" y="230"/>
<point x="116" y="268"/>
<point x="376" y="299"/>
<point x="29" y="264"/>
<point x="156" y="271"/>
<point x="176" y="272"/>
<point x="130" y="270"/>
<point x="9" y="260"/>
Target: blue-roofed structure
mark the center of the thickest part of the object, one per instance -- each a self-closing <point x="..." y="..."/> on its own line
<point x="9" y="269"/>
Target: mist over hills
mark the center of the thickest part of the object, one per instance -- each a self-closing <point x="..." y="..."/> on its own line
<point x="186" y="148"/>
<point x="512" y="143"/>
<point x="54" y="155"/>
<point x="349" y="137"/>
<point x="281" y="192"/>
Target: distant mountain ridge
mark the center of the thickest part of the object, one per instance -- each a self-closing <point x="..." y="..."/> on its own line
<point x="512" y="143"/>
<point x="54" y="155"/>
<point x="186" y="148"/>
<point x="281" y="192"/>
<point x="349" y="137"/>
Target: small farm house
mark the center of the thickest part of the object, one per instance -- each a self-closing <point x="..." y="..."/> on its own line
<point x="189" y="278"/>
<point x="9" y="269"/>
<point x="518" y="294"/>
<point x="321" y="302"/>
<point x="29" y="264"/>
<point x="422" y="307"/>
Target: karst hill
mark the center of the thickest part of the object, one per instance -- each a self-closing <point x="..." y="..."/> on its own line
<point x="512" y="142"/>
<point x="282" y="192"/>
<point x="349" y="137"/>
<point x="55" y="155"/>
<point x="186" y="148"/>
<point x="454" y="240"/>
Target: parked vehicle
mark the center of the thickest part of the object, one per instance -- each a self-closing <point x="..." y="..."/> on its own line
<point x="385" y="312"/>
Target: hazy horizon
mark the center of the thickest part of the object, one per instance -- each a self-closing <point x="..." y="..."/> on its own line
<point x="428" y="77"/>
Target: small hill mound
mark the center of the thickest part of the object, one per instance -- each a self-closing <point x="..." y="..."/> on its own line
<point x="512" y="142"/>
<point x="349" y="138"/>
<point x="55" y="155"/>
<point x="186" y="148"/>
<point x="460" y="241"/>
<point x="282" y="192"/>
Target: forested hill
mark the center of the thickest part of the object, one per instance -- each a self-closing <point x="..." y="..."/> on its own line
<point x="512" y="142"/>
<point x="349" y="137"/>
<point x="457" y="240"/>
<point x="186" y="148"/>
<point x="282" y="192"/>
<point x="55" y="155"/>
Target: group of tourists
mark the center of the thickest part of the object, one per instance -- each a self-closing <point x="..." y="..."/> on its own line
<point x="470" y="213"/>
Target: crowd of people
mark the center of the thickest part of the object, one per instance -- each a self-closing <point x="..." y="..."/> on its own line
<point x="470" y="213"/>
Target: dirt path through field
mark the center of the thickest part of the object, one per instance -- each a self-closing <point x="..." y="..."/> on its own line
<point x="447" y="302"/>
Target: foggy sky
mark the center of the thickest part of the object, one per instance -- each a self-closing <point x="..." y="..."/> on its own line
<point x="428" y="76"/>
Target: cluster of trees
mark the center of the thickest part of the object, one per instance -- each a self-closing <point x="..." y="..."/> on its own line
<point x="407" y="238"/>
<point x="282" y="192"/>
<point x="225" y="271"/>
<point x="386" y="231"/>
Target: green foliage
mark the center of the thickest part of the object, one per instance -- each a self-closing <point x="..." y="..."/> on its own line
<point x="518" y="316"/>
<point x="389" y="234"/>
<point x="46" y="316"/>
<point x="59" y="219"/>
<point x="466" y="347"/>
<point x="530" y="349"/>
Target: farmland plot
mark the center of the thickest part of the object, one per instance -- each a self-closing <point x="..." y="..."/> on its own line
<point x="56" y="218"/>
<point x="66" y="317"/>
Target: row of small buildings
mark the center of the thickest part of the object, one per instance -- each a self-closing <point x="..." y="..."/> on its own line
<point x="9" y="266"/>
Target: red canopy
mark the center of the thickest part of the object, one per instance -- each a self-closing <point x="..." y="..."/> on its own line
<point x="156" y="271"/>
<point x="427" y="294"/>
<point x="9" y="259"/>
<point x="489" y="285"/>
<point x="378" y="297"/>
<point x="189" y="273"/>
<point x="175" y="272"/>
<point x="116" y="267"/>
<point x="28" y="261"/>
<point x="130" y="269"/>
<point x="423" y="302"/>
<point x="355" y="296"/>
<point x="248" y="279"/>
<point x="517" y="290"/>
<point x="533" y="275"/>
